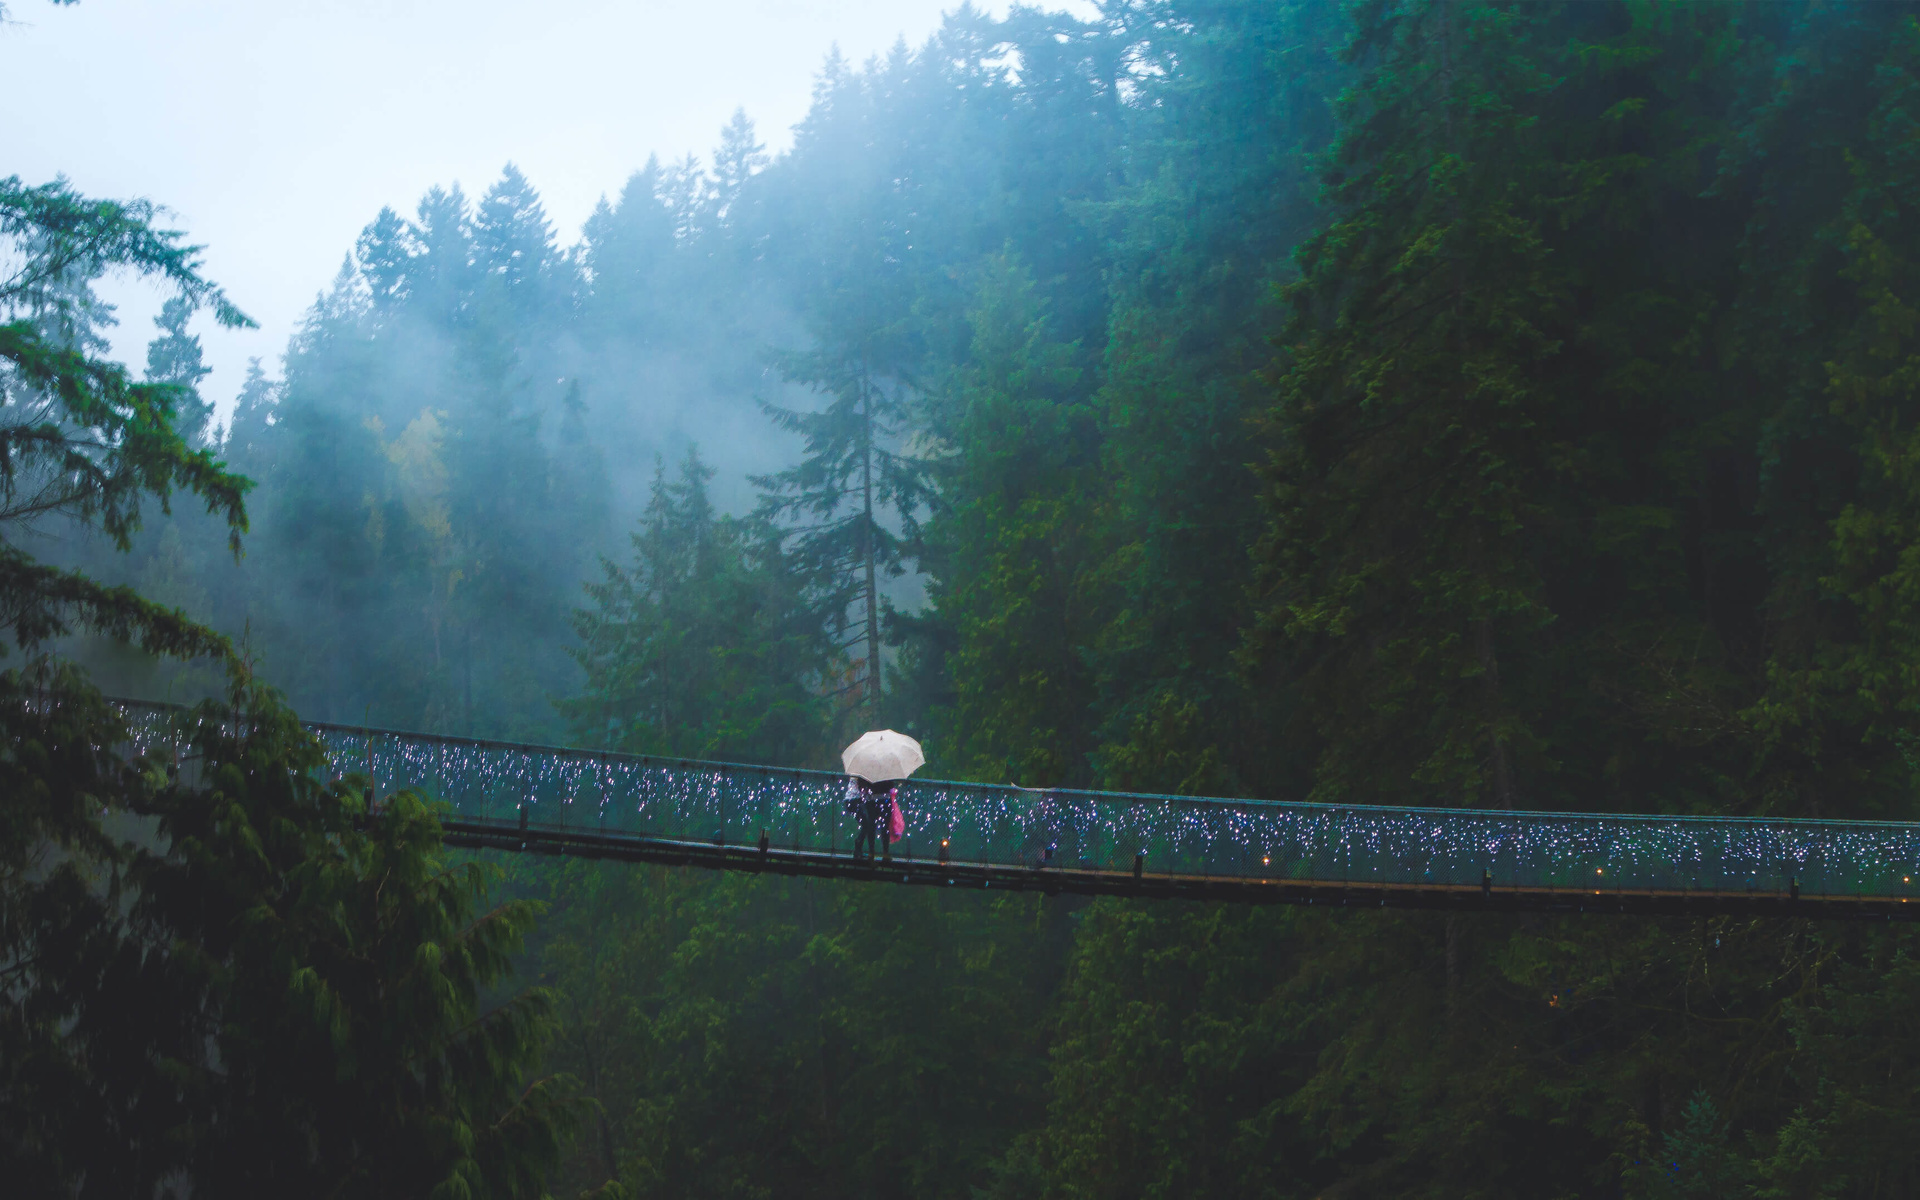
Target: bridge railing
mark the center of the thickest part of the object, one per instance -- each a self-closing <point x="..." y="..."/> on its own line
<point x="594" y="793"/>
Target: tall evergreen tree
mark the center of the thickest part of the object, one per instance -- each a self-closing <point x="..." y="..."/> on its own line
<point x="513" y="245"/>
<point x="625" y="249"/>
<point x="441" y="282"/>
<point x="1234" y="111"/>
<point x="851" y="509"/>
<point x="704" y="647"/>
<point x="175" y="358"/>
<point x="738" y="159"/>
<point x="1016" y="544"/>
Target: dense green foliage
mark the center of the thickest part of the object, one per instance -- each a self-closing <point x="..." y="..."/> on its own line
<point x="702" y="648"/>
<point x="797" y="1038"/>
<point x="220" y="974"/>
<point x="222" y="977"/>
<point x="1406" y="401"/>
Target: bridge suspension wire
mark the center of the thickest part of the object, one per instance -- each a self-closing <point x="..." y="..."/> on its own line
<point x="731" y="816"/>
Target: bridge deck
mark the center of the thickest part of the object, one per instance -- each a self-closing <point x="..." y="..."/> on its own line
<point x="1329" y="893"/>
<point x="544" y="799"/>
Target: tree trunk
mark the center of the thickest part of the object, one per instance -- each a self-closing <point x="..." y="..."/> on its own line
<point x="866" y="500"/>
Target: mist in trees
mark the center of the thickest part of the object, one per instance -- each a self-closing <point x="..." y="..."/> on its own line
<point x="1399" y="402"/>
<point x="220" y="973"/>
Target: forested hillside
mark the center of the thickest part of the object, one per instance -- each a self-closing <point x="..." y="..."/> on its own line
<point x="1423" y="402"/>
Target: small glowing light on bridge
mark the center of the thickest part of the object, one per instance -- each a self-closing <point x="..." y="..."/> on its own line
<point x="1598" y="871"/>
<point x="1266" y="860"/>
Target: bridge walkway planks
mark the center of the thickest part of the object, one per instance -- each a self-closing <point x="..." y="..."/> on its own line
<point x="1489" y="897"/>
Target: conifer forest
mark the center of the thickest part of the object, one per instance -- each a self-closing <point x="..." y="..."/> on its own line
<point x="1469" y="403"/>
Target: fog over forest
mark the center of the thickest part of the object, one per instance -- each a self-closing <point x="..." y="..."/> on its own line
<point x="1433" y="403"/>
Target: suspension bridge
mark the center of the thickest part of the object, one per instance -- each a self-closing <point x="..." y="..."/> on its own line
<point x="736" y="817"/>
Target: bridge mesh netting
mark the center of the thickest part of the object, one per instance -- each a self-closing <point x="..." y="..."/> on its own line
<point x="622" y="795"/>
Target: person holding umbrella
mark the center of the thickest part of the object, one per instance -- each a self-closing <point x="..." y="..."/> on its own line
<point x="877" y="762"/>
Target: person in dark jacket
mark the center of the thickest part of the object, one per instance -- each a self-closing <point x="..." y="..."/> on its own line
<point x="871" y="805"/>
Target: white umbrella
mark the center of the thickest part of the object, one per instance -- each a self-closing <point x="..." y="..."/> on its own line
<point x="882" y="755"/>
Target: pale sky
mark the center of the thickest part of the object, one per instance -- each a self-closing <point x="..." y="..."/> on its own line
<point x="275" y="130"/>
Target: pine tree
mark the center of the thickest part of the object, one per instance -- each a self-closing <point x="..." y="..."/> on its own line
<point x="737" y="159"/>
<point x="441" y="280"/>
<point x="78" y="438"/>
<point x="626" y="251"/>
<point x="688" y="193"/>
<point x="352" y="1051"/>
<point x="513" y="244"/>
<point x="385" y="252"/>
<point x="703" y="647"/>
<point x="1443" y="420"/>
<point x="174" y="359"/>
<point x="1219" y="190"/>
<point x="1017" y="542"/>
<point x="247" y="434"/>
<point x="855" y="475"/>
<point x="497" y="496"/>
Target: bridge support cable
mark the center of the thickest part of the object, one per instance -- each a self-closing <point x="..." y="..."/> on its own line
<point x="729" y="816"/>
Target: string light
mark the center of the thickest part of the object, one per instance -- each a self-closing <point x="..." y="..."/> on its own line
<point x="1104" y="831"/>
